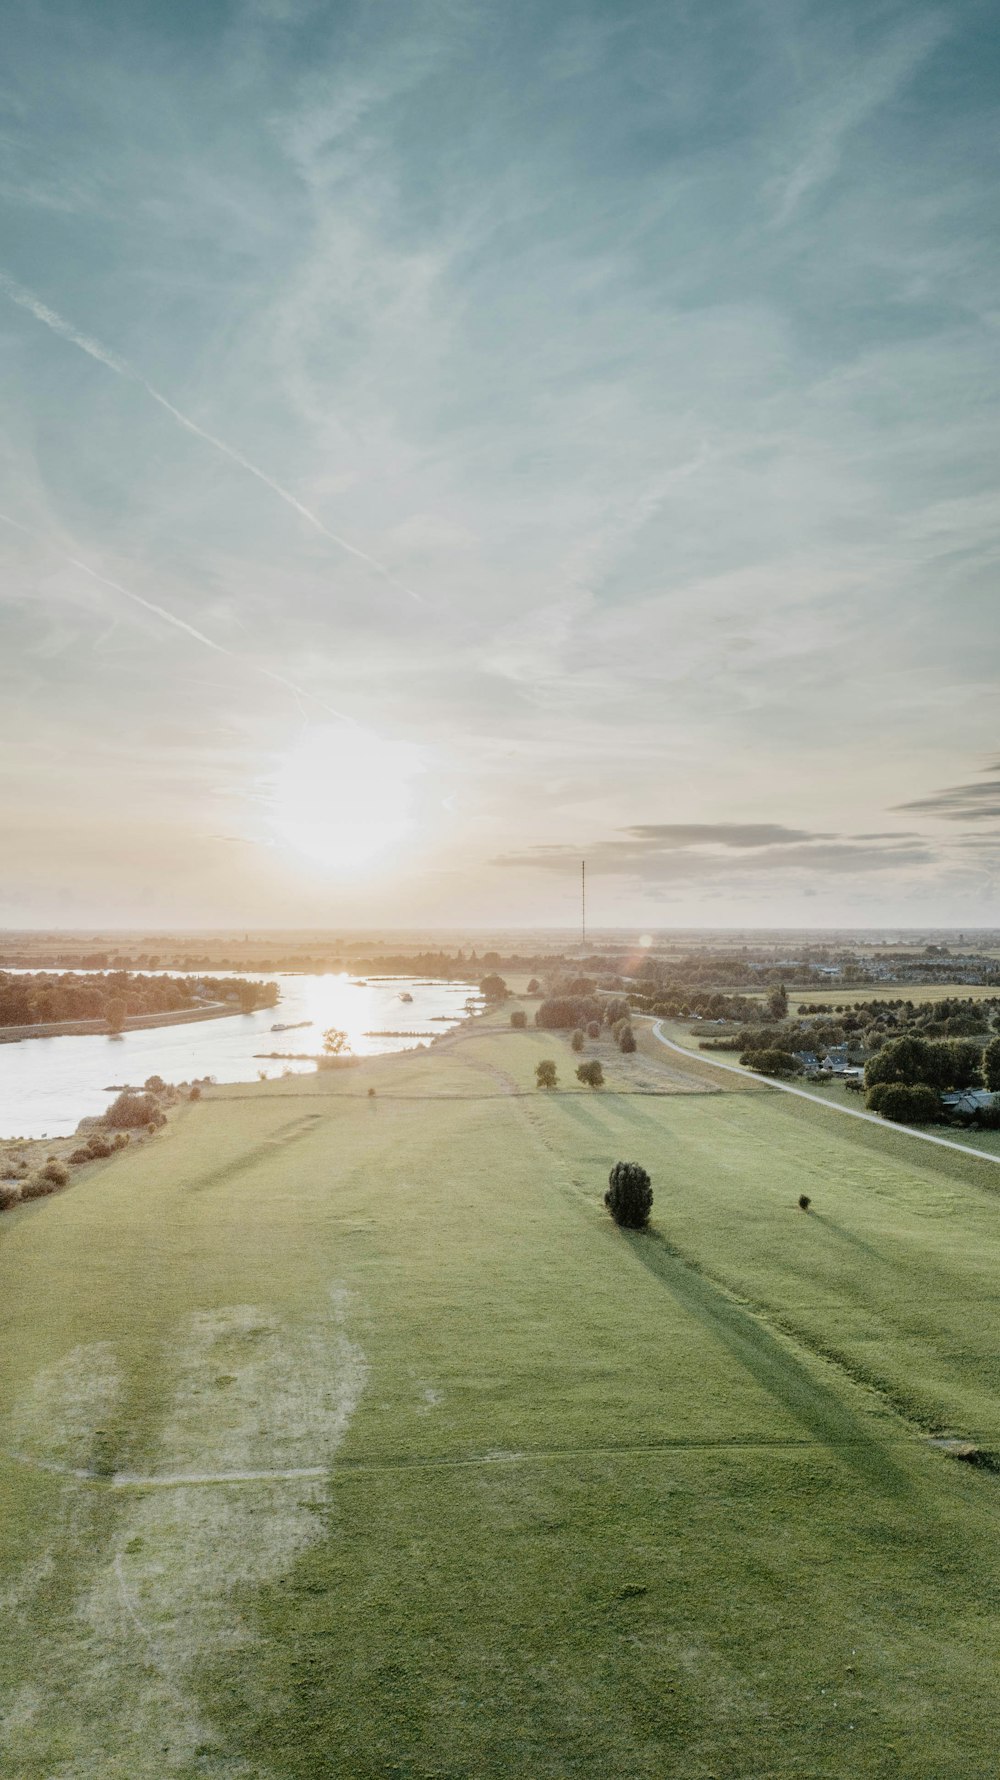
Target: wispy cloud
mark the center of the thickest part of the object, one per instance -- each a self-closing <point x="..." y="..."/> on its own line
<point x="978" y="801"/>
<point x="49" y="317"/>
<point x="171" y="618"/>
<point x="862" y="87"/>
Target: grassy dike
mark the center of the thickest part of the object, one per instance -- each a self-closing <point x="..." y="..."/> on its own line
<point x="346" y="1436"/>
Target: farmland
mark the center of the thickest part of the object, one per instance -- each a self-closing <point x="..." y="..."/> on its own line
<point x="345" y="1435"/>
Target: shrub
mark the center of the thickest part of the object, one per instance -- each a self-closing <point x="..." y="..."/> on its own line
<point x="629" y="1197"/>
<point x="194" y="1093"/>
<point x="545" y="1073"/>
<point x="906" y="1103"/>
<point x="80" y="1156"/>
<point x="590" y="1073"/>
<point x="771" y="1062"/>
<point x="534" y="986"/>
<point x="121" y="1140"/>
<point x="98" y="1146"/>
<point x="130" y="1111"/>
<point x="56" y="1172"/>
<point x="9" y="1195"/>
<point x="626" y="1040"/>
<point x="371" y="1093"/>
<point x="38" y="1187"/>
<point x="577" y="1040"/>
<point x="804" y="1201"/>
<point x="593" y="1029"/>
<point x="155" y="1084"/>
<point x="519" y="1020"/>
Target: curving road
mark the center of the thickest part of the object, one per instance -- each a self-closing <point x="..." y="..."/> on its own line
<point x="849" y="1112"/>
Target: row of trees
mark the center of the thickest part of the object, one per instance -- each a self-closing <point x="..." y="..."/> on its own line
<point x="40" y="999"/>
<point x="943" y="1065"/>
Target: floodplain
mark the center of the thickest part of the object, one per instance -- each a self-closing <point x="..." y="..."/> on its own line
<point x="344" y="1434"/>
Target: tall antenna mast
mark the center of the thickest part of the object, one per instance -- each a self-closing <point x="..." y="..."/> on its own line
<point x="583" y="902"/>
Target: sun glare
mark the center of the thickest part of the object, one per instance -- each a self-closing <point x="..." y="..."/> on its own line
<point x="342" y="796"/>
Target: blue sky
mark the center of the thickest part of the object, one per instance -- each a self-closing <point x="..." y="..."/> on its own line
<point x="442" y="440"/>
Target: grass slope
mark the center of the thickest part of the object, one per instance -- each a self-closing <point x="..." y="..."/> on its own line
<point x="348" y="1437"/>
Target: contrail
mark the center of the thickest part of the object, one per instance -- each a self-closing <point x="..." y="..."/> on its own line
<point x="26" y="299"/>
<point x="170" y="617"/>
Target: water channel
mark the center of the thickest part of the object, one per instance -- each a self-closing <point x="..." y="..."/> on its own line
<point x="48" y="1084"/>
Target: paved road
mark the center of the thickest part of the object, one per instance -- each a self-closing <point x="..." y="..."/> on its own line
<point x="849" y="1112"/>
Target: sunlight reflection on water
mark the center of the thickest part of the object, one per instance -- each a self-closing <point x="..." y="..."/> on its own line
<point x="48" y="1084"/>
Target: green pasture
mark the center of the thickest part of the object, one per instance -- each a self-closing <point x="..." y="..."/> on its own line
<point x="346" y="1436"/>
<point x="846" y="994"/>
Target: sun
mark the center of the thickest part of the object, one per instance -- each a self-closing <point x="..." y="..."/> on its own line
<point x="340" y="796"/>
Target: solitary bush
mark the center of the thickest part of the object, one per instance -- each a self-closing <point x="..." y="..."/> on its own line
<point x="9" y="1195"/>
<point x="545" y="1073"/>
<point x="626" y="1040"/>
<point x="130" y="1111"/>
<point x="194" y="1093"/>
<point x="629" y="1197"/>
<point x="577" y="1040"/>
<point x="519" y="1020"/>
<point x="590" y="1073"/>
<point x="906" y="1103"/>
<point x="804" y="1201"/>
<point x="98" y="1146"/>
<point x="371" y="1093"/>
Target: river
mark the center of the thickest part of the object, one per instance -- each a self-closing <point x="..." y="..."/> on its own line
<point x="47" y="1085"/>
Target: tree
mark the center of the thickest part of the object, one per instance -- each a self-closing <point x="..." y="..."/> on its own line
<point x="534" y="986"/>
<point x="626" y="1040"/>
<point x="335" y="1042"/>
<point x="493" y="988"/>
<point x="593" y="1030"/>
<point x="116" y="1015"/>
<point x="991" y="1065"/>
<point x="591" y="1074"/>
<point x="614" y="1010"/>
<point x="519" y="1020"/>
<point x="629" y="1197"/>
<point x="545" y="1073"/>
<point x="771" y="1062"/>
<point x="777" y="1003"/>
<point x="906" y="1103"/>
<point x="577" y="1040"/>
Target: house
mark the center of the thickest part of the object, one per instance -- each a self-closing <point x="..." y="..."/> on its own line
<point x="808" y="1060"/>
<point x="969" y="1100"/>
<point x="835" y="1060"/>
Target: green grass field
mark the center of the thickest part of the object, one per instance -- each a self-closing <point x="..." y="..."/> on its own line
<point x="348" y="1437"/>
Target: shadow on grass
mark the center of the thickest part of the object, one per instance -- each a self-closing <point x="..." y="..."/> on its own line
<point x="848" y="1236"/>
<point x="771" y="1363"/>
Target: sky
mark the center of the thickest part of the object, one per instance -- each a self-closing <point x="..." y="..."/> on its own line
<point x="441" y="442"/>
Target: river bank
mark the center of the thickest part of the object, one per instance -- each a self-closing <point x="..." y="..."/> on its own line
<point x="214" y="1010"/>
<point x="46" y="1089"/>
